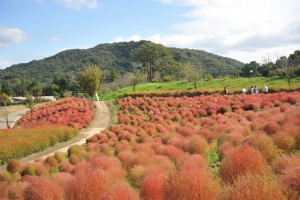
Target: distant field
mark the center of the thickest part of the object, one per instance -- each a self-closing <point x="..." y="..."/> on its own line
<point x="233" y="84"/>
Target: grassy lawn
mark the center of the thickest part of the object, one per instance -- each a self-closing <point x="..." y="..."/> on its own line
<point x="113" y="112"/>
<point x="233" y="84"/>
<point x="11" y="109"/>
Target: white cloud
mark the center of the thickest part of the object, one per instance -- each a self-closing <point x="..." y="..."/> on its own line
<point x="78" y="4"/>
<point x="241" y="29"/>
<point x="10" y="36"/>
<point x="55" y="39"/>
<point x="3" y="63"/>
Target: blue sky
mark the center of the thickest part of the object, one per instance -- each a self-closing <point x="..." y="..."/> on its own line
<point x="240" y="29"/>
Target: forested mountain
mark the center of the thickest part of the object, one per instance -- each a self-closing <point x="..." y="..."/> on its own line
<point x="110" y="55"/>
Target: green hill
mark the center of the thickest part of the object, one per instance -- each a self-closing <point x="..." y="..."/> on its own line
<point x="111" y="55"/>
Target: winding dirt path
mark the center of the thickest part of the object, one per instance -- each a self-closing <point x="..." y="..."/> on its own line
<point x="99" y="123"/>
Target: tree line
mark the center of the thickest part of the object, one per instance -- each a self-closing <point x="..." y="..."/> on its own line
<point x="285" y="67"/>
<point x="151" y="63"/>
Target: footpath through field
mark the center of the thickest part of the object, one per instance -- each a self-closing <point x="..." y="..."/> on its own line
<point x="99" y="123"/>
<point x="12" y="118"/>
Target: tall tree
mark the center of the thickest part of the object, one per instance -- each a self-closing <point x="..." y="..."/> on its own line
<point x="192" y="73"/>
<point x="152" y="57"/>
<point x="3" y="99"/>
<point x="90" y="79"/>
<point x="286" y="66"/>
<point x="29" y="103"/>
<point x="136" y="79"/>
<point x="6" y="88"/>
<point x="251" y="69"/>
<point x="113" y="74"/>
<point x="267" y="66"/>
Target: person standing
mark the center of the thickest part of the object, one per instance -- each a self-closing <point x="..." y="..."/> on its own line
<point x="252" y="90"/>
<point x="255" y="90"/>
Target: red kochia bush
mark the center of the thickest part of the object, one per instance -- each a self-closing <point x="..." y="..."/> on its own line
<point x="43" y="188"/>
<point x="197" y="145"/>
<point x="121" y="191"/>
<point x="291" y="179"/>
<point x="285" y="162"/>
<point x="284" y="141"/>
<point x="3" y="188"/>
<point x="271" y="127"/>
<point x="14" y="165"/>
<point x="16" y="190"/>
<point x="151" y="187"/>
<point x="258" y="187"/>
<point x="89" y="184"/>
<point x="190" y="184"/>
<point x="188" y="161"/>
<point x="242" y="161"/>
<point x="265" y="145"/>
<point x="62" y="179"/>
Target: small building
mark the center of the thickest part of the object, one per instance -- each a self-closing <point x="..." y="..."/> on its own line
<point x="21" y="99"/>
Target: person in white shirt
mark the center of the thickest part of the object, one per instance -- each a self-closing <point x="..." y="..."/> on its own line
<point x="265" y="90"/>
<point x="252" y="90"/>
<point x="256" y="90"/>
<point x="244" y="91"/>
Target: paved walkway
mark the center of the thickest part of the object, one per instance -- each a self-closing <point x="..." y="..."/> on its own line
<point x="12" y="118"/>
<point x="99" y="123"/>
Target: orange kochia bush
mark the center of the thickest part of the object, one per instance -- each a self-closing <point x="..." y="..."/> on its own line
<point x="73" y="112"/>
<point x="165" y="147"/>
<point x="18" y="143"/>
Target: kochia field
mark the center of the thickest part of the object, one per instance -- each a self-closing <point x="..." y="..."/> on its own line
<point x="201" y="147"/>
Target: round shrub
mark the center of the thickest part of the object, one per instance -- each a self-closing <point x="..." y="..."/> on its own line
<point x="89" y="184"/>
<point x="121" y="191"/>
<point x="291" y="179"/>
<point x="271" y="127"/>
<point x="265" y="145"/>
<point x="249" y="186"/>
<point x="28" y="170"/>
<point x="65" y="166"/>
<point x="197" y="145"/>
<point x="190" y="184"/>
<point x="13" y="165"/>
<point x="75" y="149"/>
<point x="51" y="160"/>
<point x="151" y="187"/>
<point x="3" y="188"/>
<point x="284" y="141"/>
<point x="242" y="161"/>
<point x="42" y="188"/>
<point x="74" y="159"/>
<point x="5" y="176"/>
<point x="62" y="179"/>
<point x="285" y="162"/>
<point x="60" y="156"/>
<point x="42" y="171"/>
<point x="225" y="148"/>
<point x="136" y="174"/>
<point x="188" y="161"/>
<point x="16" y="190"/>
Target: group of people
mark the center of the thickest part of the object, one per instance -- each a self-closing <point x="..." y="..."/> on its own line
<point x="253" y="90"/>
